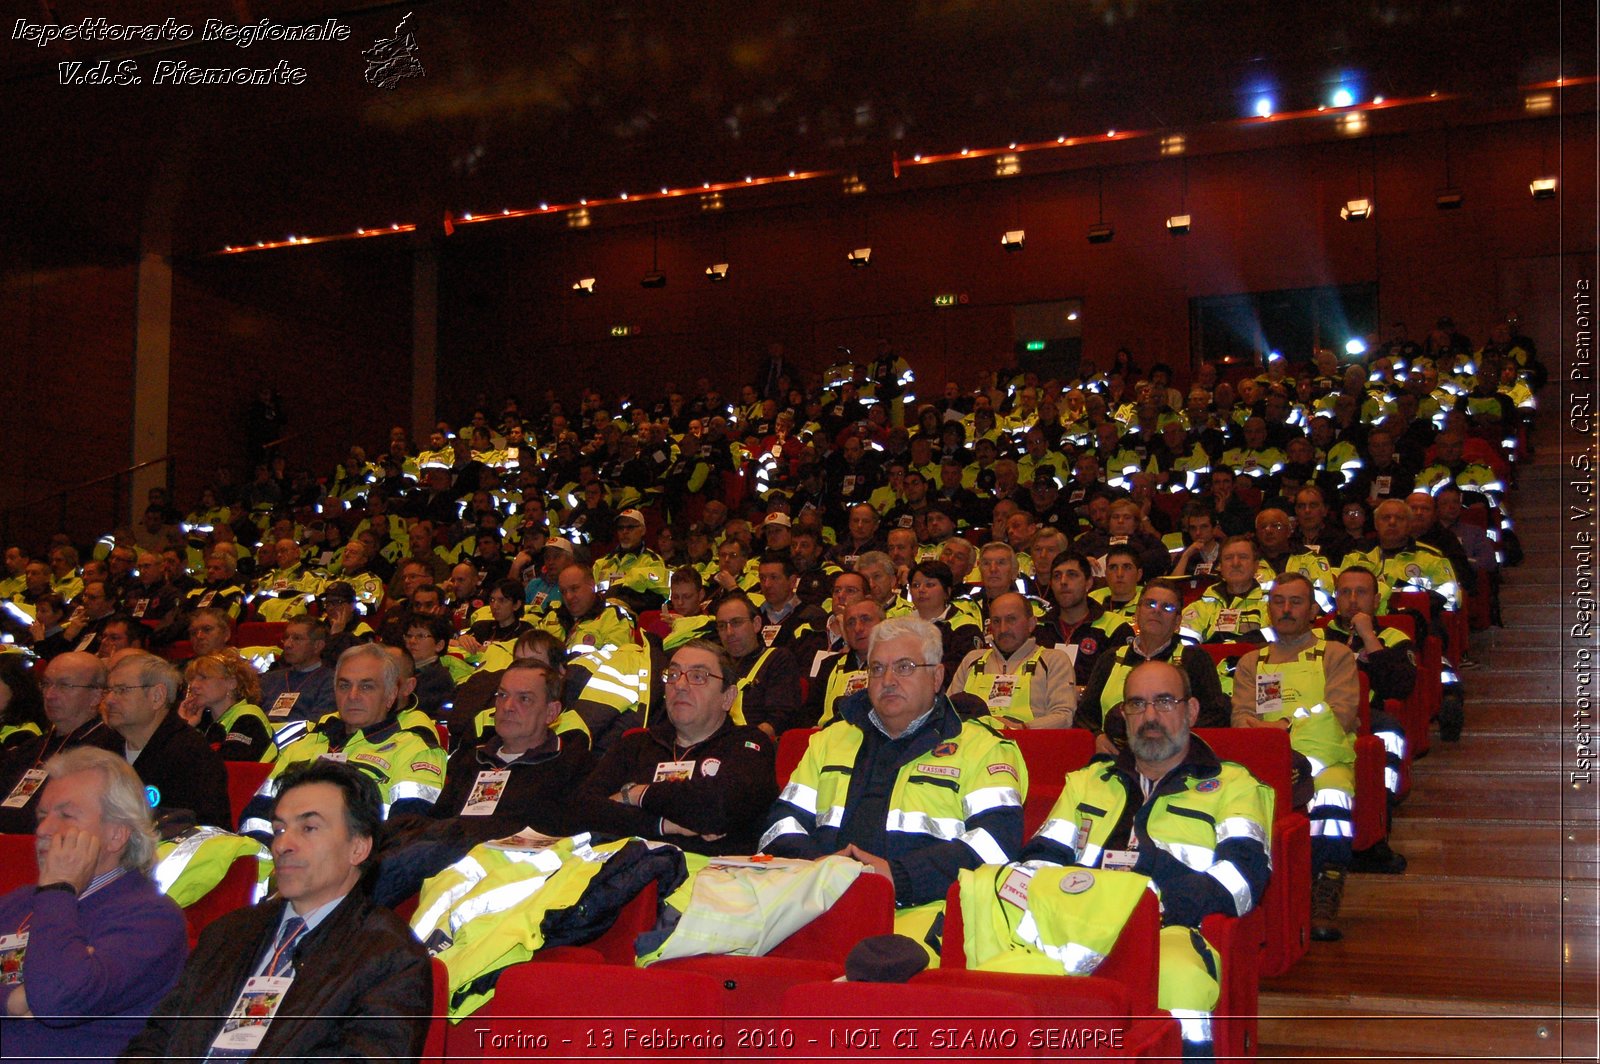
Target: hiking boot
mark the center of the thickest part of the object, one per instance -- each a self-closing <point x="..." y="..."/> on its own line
<point x="1379" y="860"/>
<point x="1326" y="893"/>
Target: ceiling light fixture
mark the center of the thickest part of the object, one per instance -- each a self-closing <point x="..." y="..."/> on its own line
<point x="1356" y="210"/>
<point x="860" y="257"/>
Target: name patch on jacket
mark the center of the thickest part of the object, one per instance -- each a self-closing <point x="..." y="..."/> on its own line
<point x="947" y="771"/>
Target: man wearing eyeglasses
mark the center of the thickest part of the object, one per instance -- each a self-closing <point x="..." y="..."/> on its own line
<point x="1155" y="638"/>
<point x="902" y="784"/>
<point x="1308" y="686"/>
<point x="72" y="685"/>
<point x="1167" y="808"/>
<point x="692" y="777"/>
<point x="177" y="765"/>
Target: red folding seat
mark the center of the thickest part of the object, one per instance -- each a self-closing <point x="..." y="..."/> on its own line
<point x="1286" y="907"/>
<point x="613" y="1011"/>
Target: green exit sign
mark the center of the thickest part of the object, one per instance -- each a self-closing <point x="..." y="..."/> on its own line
<point x="622" y="330"/>
<point x="948" y="299"/>
<point x="1035" y="345"/>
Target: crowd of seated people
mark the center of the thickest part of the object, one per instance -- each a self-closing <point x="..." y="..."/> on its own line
<point x="606" y="614"/>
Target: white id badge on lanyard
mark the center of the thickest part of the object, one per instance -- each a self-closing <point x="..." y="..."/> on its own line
<point x="1269" y="695"/>
<point x="30" y="782"/>
<point x="252" y="1014"/>
<point x="486" y="793"/>
<point x="673" y="771"/>
<point x="1005" y="685"/>
<point x="283" y="705"/>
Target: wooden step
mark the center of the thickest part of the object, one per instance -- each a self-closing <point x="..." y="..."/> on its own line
<point x="1435" y="1028"/>
<point x="1500" y="746"/>
<point x="1544" y="617"/>
<point x="1435" y="846"/>
<point x="1540" y="592"/>
<point x="1477" y="957"/>
<point x="1527" y="798"/>
<point x="1519" y="638"/>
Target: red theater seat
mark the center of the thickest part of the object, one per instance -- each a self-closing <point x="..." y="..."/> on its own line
<point x="1050" y="753"/>
<point x="244" y="779"/>
<point x="611" y="1011"/>
<point x="1286" y="907"/>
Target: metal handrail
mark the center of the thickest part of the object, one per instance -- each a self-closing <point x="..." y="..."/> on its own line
<point x="64" y="493"/>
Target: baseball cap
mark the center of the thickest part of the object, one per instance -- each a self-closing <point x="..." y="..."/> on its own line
<point x="339" y="591"/>
<point x="885" y="959"/>
<point x="558" y="543"/>
<point x="778" y="519"/>
<point x="630" y="515"/>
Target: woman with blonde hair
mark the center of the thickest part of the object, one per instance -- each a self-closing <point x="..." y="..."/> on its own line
<point x="221" y="701"/>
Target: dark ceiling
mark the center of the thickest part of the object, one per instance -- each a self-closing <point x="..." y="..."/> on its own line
<point x="538" y="100"/>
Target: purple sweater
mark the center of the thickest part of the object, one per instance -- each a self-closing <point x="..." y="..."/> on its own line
<point x="89" y="1002"/>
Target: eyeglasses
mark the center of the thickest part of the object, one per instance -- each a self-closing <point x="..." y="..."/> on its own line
<point x="902" y="668"/>
<point x="695" y="676"/>
<point x="59" y="685"/>
<point x="1163" y="704"/>
<point x="120" y="689"/>
<point x="1154" y="604"/>
<point x="732" y="622"/>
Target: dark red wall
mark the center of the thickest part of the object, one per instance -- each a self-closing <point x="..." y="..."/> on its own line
<point x="66" y="357"/>
<point x="328" y="326"/>
<point x="1262" y="221"/>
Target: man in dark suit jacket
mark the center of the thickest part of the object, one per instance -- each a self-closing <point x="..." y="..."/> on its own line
<point x="361" y="983"/>
<point x="176" y="763"/>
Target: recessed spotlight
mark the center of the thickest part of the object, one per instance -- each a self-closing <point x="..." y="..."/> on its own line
<point x="1178" y="224"/>
<point x="1011" y="239"/>
<point x="584" y="286"/>
<point x="860" y="257"/>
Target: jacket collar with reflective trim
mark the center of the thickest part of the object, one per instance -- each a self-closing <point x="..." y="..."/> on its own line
<point x="333" y="728"/>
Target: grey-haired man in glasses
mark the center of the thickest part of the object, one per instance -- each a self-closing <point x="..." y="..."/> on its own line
<point x="691" y="777"/>
<point x="902" y="784"/>
<point x="1155" y="626"/>
<point x="72" y="687"/>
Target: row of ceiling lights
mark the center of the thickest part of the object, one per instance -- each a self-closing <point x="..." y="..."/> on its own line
<point x="1448" y="199"/>
<point x="1355" y="210"/>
